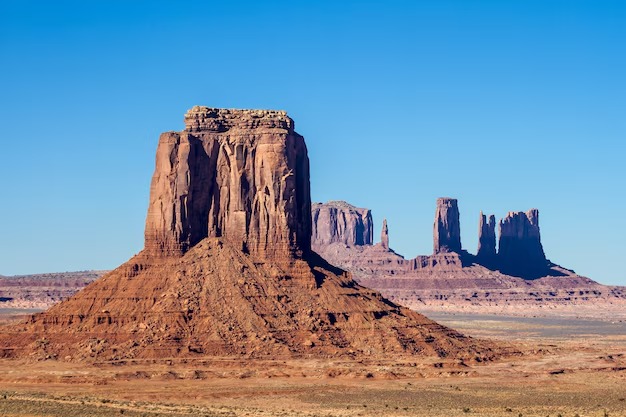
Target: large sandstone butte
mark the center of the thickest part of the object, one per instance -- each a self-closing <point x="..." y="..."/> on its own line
<point x="227" y="267"/>
<point x="239" y="175"/>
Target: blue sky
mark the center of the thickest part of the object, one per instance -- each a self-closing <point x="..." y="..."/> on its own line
<point x="505" y="105"/>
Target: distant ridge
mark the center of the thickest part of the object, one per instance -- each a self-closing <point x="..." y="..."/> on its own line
<point x="521" y="281"/>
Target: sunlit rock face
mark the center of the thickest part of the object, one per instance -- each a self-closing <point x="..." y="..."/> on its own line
<point x="340" y="222"/>
<point x="242" y="175"/>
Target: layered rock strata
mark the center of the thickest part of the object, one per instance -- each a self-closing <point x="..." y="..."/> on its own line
<point x="457" y="282"/>
<point x="340" y="222"/>
<point x="40" y="291"/>
<point x="228" y="269"/>
<point x="242" y="175"/>
<point x="447" y="228"/>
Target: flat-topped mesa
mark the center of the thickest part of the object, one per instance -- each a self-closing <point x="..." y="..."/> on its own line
<point x="520" y="251"/>
<point x="338" y="221"/>
<point x="238" y="174"/>
<point x="384" y="235"/>
<point x="486" y="238"/>
<point x="447" y="229"/>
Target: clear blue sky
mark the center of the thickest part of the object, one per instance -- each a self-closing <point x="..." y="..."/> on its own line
<point x="505" y="105"/>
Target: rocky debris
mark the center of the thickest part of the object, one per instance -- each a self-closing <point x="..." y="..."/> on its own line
<point x="384" y="235"/>
<point x="486" y="239"/>
<point x="338" y="221"/>
<point x="238" y="174"/>
<point x="520" y="252"/>
<point x="227" y="267"/>
<point x="447" y="229"/>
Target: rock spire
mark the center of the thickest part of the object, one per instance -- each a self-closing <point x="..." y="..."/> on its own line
<point x="447" y="229"/>
<point x="384" y="235"/>
<point x="486" y="238"/>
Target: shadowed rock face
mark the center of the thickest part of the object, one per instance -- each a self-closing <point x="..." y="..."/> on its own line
<point x="447" y="229"/>
<point x="238" y="174"/>
<point x="520" y="251"/>
<point x="486" y="238"/>
<point x="340" y="222"/>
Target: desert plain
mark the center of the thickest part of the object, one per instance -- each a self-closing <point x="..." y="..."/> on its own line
<point x="566" y="367"/>
<point x="229" y="311"/>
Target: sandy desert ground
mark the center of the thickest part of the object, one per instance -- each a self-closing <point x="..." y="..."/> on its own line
<point x="566" y="367"/>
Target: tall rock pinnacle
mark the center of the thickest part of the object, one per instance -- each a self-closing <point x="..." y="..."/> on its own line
<point x="384" y="235"/>
<point x="447" y="229"/>
<point x="486" y="238"/>
<point x="238" y="174"/>
<point x="338" y="221"/>
<point x="520" y="251"/>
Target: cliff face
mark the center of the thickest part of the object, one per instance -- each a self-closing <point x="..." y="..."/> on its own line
<point x="340" y="222"/>
<point x="486" y="238"/>
<point x="485" y="283"/>
<point x="520" y="251"/>
<point x="242" y="175"/>
<point x="447" y="227"/>
<point x="227" y="268"/>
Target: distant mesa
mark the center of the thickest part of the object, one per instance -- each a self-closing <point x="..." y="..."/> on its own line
<point x="227" y="267"/>
<point x="520" y="251"/>
<point x="338" y="221"/>
<point x="512" y="274"/>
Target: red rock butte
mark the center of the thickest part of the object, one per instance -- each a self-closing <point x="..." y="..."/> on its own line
<point x="227" y="267"/>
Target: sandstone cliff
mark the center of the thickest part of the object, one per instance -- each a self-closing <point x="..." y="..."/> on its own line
<point x="338" y="221"/>
<point x="238" y="174"/>
<point x="447" y="228"/>
<point x="228" y="269"/>
<point x="520" y="251"/>
<point x="459" y="281"/>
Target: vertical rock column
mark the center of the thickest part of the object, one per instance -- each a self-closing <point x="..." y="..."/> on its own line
<point x="486" y="238"/>
<point x="520" y="251"/>
<point x="384" y="235"/>
<point x="447" y="229"/>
